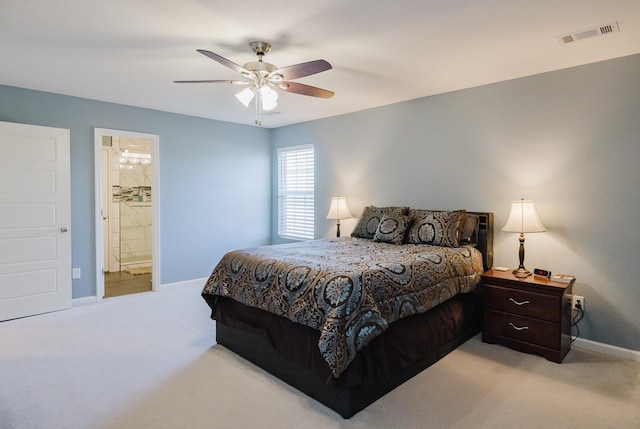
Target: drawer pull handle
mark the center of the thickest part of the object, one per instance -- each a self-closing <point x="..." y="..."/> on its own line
<point x="522" y="328"/>
<point x="518" y="303"/>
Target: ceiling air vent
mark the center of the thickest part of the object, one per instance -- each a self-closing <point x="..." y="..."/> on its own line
<point x="611" y="27"/>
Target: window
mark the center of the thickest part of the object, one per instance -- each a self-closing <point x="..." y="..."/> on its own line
<point x="295" y="192"/>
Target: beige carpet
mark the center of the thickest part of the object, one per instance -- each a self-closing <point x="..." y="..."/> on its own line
<point x="149" y="361"/>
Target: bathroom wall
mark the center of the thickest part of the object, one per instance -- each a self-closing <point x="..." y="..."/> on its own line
<point x="130" y="216"/>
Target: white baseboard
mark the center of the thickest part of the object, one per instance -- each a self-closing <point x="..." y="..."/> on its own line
<point x="77" y="302"/>
<point x="87" y="300"/>
<point x="607" y="349"/>
<point x="186" y="283"/>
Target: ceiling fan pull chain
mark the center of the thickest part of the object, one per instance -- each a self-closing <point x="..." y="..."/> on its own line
<point x="258" y="108"/>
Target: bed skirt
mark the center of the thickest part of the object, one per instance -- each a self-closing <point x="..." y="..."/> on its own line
<point x="409" y="346"/>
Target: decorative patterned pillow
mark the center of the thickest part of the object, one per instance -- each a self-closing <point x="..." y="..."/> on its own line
<point x="370" y="219"/>
<point x="392" y="229"/>
<point x="439" y="228"/>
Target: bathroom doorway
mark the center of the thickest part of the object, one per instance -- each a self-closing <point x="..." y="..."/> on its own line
<point x="127" y="217"/>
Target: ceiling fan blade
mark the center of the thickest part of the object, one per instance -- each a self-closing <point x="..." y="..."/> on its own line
<point x="225" y="62"/>
<point x="299" y="88"/>
<point x="301" y="70"/>
<point x="233" y="82"/>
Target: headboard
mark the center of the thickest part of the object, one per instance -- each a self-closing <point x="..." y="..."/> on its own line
<point x="484" y="238"/>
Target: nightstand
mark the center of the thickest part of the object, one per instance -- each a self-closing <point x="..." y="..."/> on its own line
<point x="531" y="315"/>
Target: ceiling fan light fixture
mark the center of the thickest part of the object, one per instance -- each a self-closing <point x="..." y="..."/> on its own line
<point x="245" y="96"/>
<point x="268" y="97"/>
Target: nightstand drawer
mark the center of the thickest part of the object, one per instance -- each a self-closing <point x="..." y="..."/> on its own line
<point x="523" y="303"/>
<point x="532" y="331"/>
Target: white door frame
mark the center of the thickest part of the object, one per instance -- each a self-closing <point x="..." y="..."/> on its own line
<point x="155" y="205"/>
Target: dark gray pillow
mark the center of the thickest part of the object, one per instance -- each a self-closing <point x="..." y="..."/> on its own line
<point x="392" y="229"/>
<point x="469" y="229"/>
<point x="370" y="219"/>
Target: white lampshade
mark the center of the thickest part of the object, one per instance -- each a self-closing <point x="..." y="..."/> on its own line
<point x="268" y="97"/>
<point x="523" y="218"/>
<point x="339" y="209"/>
<point x="245" y="96"/>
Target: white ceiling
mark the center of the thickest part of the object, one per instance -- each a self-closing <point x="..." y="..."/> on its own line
<point x="382" y="51"/>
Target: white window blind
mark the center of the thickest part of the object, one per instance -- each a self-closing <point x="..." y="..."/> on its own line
<point x="295" y="192"/>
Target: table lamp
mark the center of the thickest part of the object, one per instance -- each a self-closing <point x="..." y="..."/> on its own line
<point x="523" y="218"/>
<point x="339" y="210"/>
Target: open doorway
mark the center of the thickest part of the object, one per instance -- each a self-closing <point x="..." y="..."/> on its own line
<point x="126" y="213"/>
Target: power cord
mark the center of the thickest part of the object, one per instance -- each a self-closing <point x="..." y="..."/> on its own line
<point x="577" y="318"/>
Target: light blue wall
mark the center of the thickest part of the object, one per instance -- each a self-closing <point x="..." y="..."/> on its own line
<point x="570" y="140"/>
<point x="214" y="180"/>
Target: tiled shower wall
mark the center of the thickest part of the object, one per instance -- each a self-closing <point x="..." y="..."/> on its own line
<point x="130" y="205"/>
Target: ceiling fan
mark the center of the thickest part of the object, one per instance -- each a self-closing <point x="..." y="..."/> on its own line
<point x="263" y="79"/>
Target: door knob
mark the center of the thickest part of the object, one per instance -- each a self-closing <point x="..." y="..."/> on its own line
<point x="64" y="229"/>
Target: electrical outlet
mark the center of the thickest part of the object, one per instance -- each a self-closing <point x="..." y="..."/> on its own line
<point x="75" y="273"/>
<point x="577" y="299"/>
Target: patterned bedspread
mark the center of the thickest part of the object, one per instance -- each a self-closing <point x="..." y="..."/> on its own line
<point x="347" y="288"/>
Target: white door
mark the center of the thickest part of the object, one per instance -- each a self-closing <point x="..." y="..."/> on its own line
<point x="35" y="218"/>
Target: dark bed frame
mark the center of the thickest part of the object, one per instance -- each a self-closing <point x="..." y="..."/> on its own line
<point x="346" y="399"/>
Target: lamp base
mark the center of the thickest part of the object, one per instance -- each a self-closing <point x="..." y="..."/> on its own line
<point x="521" y="273"/>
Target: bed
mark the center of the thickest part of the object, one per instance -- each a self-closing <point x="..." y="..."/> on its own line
<point x="346" y="320"/>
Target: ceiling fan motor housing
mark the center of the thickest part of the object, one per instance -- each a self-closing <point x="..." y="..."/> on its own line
<point x="260" y="66"/>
